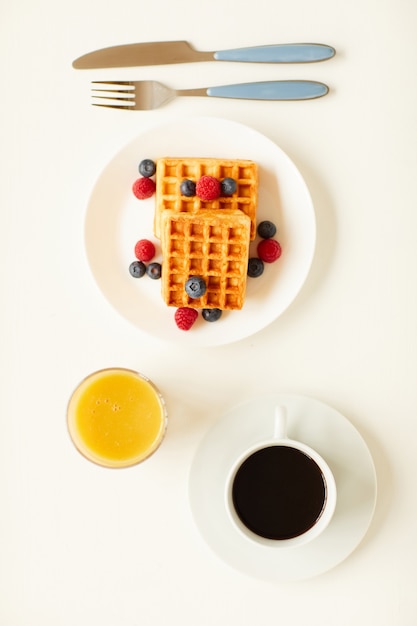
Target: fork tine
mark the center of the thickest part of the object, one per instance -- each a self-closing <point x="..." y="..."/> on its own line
<point x="143" y="95"/>
<point x="128" y="92"/>
<point x="114" y="97"/>
<point x="125" y="87"/>
<point x="126" y="99"/>
<point x="111" y="106"/>
<point x="124" y="83"/>
<point x="115" y="102"/>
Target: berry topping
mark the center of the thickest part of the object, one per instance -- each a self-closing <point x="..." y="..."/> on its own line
<point x="208" y="188"/>
<point x="147" y="168"/>
<point x="255" y="267"/>
<point x="211" y="315"/>
<point x="267" y="229"/>
<point x="143" y="188"/>
<point x="269" y="250"/>
<point x="144" y="250"/>
<point x="228" y="186"/>
<point x="154" y="270"/>
<point x="137" y="269"/>
<point x="195" y="287"/>
<point x="187" y="188"/>
<point x="185" y="317"/>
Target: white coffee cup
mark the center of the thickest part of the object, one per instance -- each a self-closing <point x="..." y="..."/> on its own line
<point x="280" y="492"/>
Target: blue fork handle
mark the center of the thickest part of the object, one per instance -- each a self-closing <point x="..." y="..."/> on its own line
<point x="280" y="53"/>
<point x="271" y="90"/>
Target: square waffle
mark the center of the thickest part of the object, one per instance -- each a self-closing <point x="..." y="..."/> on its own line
<point x="211" y="244"/>
<point x="170" y="172"/>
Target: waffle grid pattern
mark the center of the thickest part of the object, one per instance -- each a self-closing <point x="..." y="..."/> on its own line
<point x="215" y="249"/>
<point x="172" y="171"/>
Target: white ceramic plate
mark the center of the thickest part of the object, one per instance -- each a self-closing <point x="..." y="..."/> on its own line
<point x="115" y="220"/>
<point x="322" y="428"/>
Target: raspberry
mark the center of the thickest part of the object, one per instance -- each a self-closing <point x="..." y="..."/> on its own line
<point x="185" y="317"/>
<point x="144" y="250"/>
<point x="208" y="188"/>
<point x="269" y="250"/>
<point x="143" y="188"/>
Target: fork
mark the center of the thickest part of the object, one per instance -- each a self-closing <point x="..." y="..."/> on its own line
<point x="146" y="95"/>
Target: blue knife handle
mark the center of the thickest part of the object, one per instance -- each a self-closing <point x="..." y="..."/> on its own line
<point x="271" y="90"/>
<point x="281" y="53"/>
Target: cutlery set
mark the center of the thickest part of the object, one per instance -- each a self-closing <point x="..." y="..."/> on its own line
<point x="148" y="94"/>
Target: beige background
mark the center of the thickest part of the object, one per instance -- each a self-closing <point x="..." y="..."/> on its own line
<point x="83" y="546"/>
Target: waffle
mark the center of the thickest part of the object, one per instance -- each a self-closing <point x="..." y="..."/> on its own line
<point x="211" y="244"/>
<point x="171" y="172"/>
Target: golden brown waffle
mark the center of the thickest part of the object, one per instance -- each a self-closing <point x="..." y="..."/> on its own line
<point x="213" y="245"/>
<point x="171" y="172"/>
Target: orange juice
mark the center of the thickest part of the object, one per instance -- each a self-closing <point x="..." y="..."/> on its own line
<point x="116" y="417"/>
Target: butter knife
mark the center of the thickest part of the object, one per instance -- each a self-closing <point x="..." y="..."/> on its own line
<point x="168" y="52"/>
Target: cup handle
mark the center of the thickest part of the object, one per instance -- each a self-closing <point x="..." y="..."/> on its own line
<point x="280" y="422"/>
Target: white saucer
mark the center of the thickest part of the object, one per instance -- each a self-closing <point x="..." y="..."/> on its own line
<point x="319" y="426"/>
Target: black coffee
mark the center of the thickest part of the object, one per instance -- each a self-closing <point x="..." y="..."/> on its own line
<point x="279" y="492"/>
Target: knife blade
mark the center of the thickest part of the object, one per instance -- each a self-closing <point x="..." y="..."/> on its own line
<point x="168" y="52"/>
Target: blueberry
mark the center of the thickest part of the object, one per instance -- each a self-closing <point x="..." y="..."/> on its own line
<point x="137" y="269"/>
<point x="255" y="267"/>
<point x="147" y="168"/>
<point x="211" y="315"/>
<point x="154" y="270"/>
<point x="195" y="287"/>
<point x="187" y="188"/>
<point x="228" y="186"/>
<point x="266" y="229"/>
